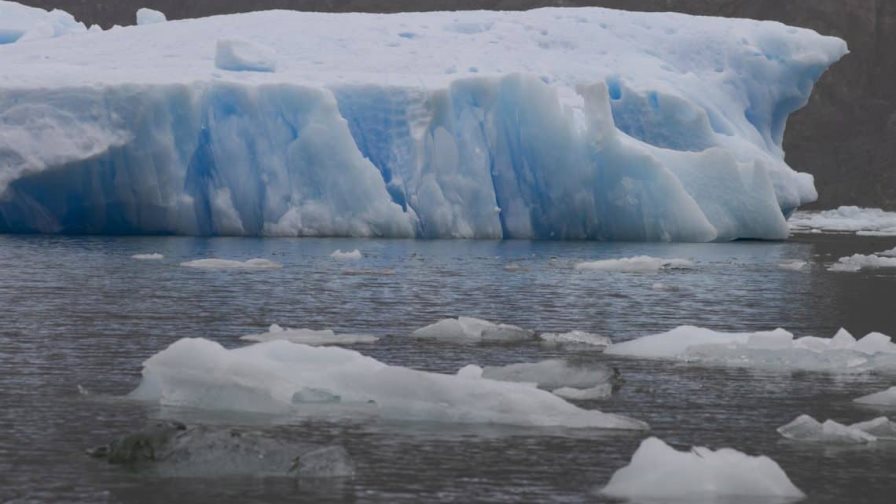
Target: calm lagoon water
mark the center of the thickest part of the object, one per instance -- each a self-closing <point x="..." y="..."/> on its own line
<point x="81" y="311"/>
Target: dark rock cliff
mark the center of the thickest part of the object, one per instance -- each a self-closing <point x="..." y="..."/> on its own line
<point x="846" y="136"/>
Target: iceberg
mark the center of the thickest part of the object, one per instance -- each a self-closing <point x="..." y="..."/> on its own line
<point x="556" y="123"/>
<point x="639" y="264"/>
<point x="309" y="336"/>
<point x="806" y="428"/>
<point x="19" y="23"/>
<point x="883" y="398"/>
<point x="283" y="378"/>
<point x="658" y="471"/>
<point x="846" y="219"/>
<point x="473" y="330"/>
<point x="774" y="350"/>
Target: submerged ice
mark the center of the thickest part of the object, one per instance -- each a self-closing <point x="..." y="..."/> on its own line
<point x="280" y="377"/>
<point x="552" y="123"/>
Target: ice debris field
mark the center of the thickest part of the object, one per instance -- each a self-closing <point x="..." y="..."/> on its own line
<point x="553" y="123"/>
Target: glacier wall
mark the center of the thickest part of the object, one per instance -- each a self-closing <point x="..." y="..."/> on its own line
<point x="547" y="124"/>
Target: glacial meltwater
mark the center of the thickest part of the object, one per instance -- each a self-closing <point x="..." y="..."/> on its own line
<point x="80" y="315"/>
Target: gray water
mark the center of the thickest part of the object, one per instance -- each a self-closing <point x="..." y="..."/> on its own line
<point x="80" y="311"/>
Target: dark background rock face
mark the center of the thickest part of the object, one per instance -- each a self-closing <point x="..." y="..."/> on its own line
<point x="846" y="136"/>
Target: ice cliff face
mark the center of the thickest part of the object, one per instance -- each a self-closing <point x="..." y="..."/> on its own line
<point x="554" y="123"/>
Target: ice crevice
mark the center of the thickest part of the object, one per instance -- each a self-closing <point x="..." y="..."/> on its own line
<point x="543" y="141"/>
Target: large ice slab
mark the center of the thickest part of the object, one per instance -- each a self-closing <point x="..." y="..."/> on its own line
<point x="883" y="398"/>
<point x="287" y="378"/>
<point x="776" y="349"/>
<point x="553" y="123"/>
<point x="658" y="471"/>
<point x="20" y="23"/>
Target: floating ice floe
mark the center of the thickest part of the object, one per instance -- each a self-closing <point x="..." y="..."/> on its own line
<point x="240" y="55"/>
<point x="19" y="23"/>
<point x="551" y="374"/>
<point x="581" y="123"/>
<point x="806" y="428"/>
<point x="579" y="339"/>
<point x="149" y="16"/>
<point x="597" y="392"/>
<point x="352" y="255"/>
<point x="250" y="264"/>
<point x="309" y="336"/>
<point x="148" y="257"/>
<point x="286" y="378"/>
<point x="658" y="471"/>
<point x="883" y="398"/>
<point x="776" y="349"/>
<point x="473" y="330"/>
<point x="793" y="265"/>
<point x="858" y="262"/>
<point x="639" y="264"/>
<point x="846" y="219"/>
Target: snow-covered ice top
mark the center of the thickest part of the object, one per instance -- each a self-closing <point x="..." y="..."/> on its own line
<point x="776" y="349"/>
<point x="553" y="123"/>
<point x="846" y="219"/>
<point x="19" y="23"/>
<point x="284" y="378"/>
<point x="659" y="471"/>
<point x="309" y="336"/>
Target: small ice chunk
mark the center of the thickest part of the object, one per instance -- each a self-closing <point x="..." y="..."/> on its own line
<point x="858" y="262"/>
<point x="639" y="264"/>
<point x="327" y="462"/>
<point x="658" y="471"/>
<point x="846" y="219"/>
<point x="806" y="428"/>
<point x="576" y="338"/>
<point x="884" y="398"/>
<point x="353" y="255"/>
<point x="470" y="371"/>
<point x="473" y="330"/>
<point x="602" y="391"/>
<point x="309" y="336"/>
<point x="550" y="374"/>
<point x="250" y="264"/>
<point x="240" y="55"/>
<point x="148" y="257"/>
<point x="147" y="16"/>
<point x="793" y="265"/>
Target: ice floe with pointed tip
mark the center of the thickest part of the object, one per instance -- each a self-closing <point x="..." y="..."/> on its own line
<point x="883" y="398"/>
<point x="309" y="336"/>
<point x="806" y="428"/>
<point x="659" y="471"/>
<point x="638" y="264"/>
<point x="579" y="339"/>
<point x="473" y="330"/>
<point x="224" y="264"/>
<point x="352" y="255"/>
<point x="846" y="219"/>
<point x="265" y="377"/>
<point x="776" y="349"/>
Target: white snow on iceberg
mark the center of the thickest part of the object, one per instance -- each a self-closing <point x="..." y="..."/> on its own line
<point x="639" y="264"/>
<point x="19" y="23"/>
<point x="566" y="124"/>
<point x="282" y="377"/>
<point x="883" y="398"/>
<point x="776" y="349"/>
<point x="309" y="336"/>
<point x="846" y="219"/>
<point x="473" y="330"/>
<point x="658" y="471"/>
<point x="225" y="264"/>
